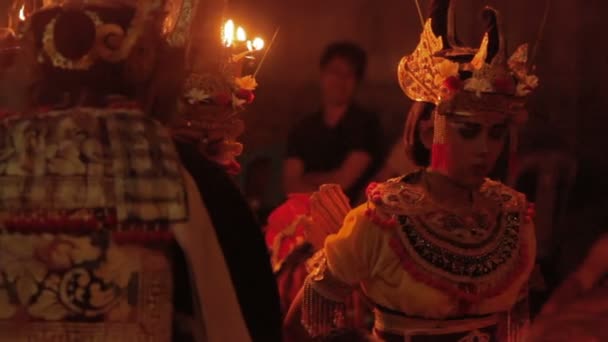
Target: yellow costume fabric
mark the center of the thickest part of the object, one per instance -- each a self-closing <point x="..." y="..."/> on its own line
<point x="411" y="256"/>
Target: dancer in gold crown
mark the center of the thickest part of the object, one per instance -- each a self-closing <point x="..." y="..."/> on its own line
<point x="444" y="254"/>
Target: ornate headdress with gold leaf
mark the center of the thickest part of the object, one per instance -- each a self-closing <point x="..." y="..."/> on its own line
<point x="461" y="80"/>
<point x="109" y="29"/>
<point x="465" y="81"/>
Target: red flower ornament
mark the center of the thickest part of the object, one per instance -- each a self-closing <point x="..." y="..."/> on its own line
<point x="505" y="85"/>
<point x="246" y="95"/>
<point x="453" y="84"/>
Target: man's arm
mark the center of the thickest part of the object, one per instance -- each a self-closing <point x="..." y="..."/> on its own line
<point x="346" y="175"/>
<point x="295" y="180"/>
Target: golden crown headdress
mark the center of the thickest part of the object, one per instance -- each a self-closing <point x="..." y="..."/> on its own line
<point x="462" y="80"/>
<point x="109" y="37"/>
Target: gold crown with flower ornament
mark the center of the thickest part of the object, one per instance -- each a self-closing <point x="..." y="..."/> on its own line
<point x="466" y="81"/>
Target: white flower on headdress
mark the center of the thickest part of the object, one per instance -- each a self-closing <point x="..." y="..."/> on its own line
<point x="445" y="69"/>
<point x="196" y="95"/>
<point x="478" y="85"/>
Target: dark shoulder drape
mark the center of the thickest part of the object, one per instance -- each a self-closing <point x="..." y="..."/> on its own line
<point x="241" y="239"/>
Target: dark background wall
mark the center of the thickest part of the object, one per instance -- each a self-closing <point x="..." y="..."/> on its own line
<point x="571" y="61"/>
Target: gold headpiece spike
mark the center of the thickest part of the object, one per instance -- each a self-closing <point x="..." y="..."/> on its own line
<point x="480" y="57"/>
<point x="429" y="42"/>
<point x="417" y="72"/>
<point x="465" y="80"/>
<point x="518" y="64"/>
<point x="519" y="59"/>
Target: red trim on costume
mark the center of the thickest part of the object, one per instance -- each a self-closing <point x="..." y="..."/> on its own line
<point x="283" y="233"/>
<point x="530" y="212"/>
<point x="5" y="113"/>
<point x="37" y="225"/>
<point x="232" y="167"/>
<point x="371" y="188"/>
<point x="373" y="194"/>
<point x="63" y="224"/>
<point x="384" y="223"/>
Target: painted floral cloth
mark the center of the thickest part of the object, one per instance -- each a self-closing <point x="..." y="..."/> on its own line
<point x="87" y="201"/>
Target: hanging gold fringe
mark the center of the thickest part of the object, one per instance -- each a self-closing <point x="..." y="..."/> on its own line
<point x="320" y="315"/>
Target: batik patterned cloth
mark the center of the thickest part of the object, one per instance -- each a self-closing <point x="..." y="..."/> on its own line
<point x="87" y="200"/>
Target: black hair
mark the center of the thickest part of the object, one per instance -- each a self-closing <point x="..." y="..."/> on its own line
<point x="351" y="52"/>
<point x="414" y="147"/>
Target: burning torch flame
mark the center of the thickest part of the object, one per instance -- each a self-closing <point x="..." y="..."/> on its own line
<point x="241" y="36"/>
<point x="258" y="44"/>
<point x="22" y="13"/>
<point x="228" y="34"/>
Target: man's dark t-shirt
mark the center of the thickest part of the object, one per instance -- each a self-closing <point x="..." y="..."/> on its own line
<point x="323" y="149"/>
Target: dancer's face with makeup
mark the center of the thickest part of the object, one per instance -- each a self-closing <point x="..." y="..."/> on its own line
<point x="474" y="144"/>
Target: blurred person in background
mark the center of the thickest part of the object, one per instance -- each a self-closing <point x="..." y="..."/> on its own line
<point x="341" y="142"/>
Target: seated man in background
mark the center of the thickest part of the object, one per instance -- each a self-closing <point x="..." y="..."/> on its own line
<point x="339" y="144"/>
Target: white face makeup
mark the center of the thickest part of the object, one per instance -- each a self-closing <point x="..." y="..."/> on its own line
<point x="474" y="144"/>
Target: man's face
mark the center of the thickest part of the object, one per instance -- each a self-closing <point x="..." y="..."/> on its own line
<point x="338" y="82"/>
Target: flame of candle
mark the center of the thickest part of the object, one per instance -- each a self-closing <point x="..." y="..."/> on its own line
<point x="249" y="45"/>
<point x="258" y="43"/>
<point x="241" y="36"/>
<point x="22" y="13"/>
<point x="228" y="33"/>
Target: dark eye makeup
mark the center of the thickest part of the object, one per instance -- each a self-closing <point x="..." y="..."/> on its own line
<point x="497" y="132"/>
<point x="469" y="130"/>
